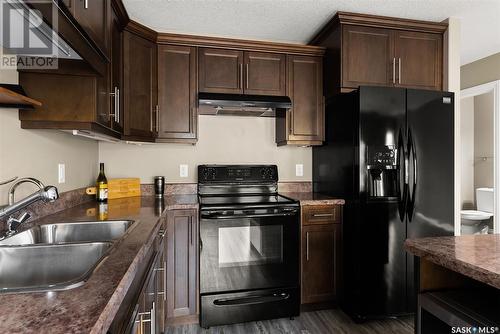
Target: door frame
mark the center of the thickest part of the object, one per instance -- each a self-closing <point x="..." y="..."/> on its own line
<point x="490" y="87"/>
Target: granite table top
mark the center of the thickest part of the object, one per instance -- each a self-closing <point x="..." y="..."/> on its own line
<point x="311" y="198"/>
<point x="90" y="308"/>
<point x="474" y="256"/>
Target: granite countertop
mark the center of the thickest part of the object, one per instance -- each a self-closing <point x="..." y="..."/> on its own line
<point x="311" y="198"/>
<point x="474" y="256"/>
<point x="91" y="307"/>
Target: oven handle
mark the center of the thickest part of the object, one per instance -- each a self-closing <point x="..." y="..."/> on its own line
<point x="219" y="216"/>
<point x="275" y="297"/>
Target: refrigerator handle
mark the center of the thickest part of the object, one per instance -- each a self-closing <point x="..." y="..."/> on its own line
<point x="402" y="190"/>
<point x="413" y="191"/>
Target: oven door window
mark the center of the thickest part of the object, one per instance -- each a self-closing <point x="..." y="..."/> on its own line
<point x="248" y="253"/>
<point x="250" y="245"/>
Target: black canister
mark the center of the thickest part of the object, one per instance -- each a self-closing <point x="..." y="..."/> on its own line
<point x="159" y="186"/>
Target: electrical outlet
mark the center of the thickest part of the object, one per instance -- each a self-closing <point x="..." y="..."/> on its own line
<point x="61" y="173"/>
<point x="299" y="170"/>
<point x="183" y="170"/>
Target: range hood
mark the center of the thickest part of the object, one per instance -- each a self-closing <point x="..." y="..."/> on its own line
<point x="241" y="105"/>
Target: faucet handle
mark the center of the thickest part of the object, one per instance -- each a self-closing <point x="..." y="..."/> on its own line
<point x="13" y="223"/>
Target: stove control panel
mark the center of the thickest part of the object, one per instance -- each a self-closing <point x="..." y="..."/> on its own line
<point x="237" y="173"/>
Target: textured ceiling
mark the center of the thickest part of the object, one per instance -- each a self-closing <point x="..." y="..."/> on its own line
<point x="296" y="21"/>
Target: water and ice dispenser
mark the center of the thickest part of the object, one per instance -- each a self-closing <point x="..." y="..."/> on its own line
<point x="381" y="167"/>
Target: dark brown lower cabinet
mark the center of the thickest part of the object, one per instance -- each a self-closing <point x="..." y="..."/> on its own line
<point x="321" y="248"/>
<point x="182" y="265"/>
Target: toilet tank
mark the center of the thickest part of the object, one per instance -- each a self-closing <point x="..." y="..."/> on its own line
<point x="484" y="199"/>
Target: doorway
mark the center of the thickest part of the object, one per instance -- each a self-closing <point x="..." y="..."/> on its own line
<point x="480" y="175"/>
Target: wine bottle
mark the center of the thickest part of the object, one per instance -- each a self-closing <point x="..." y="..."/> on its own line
<point x="102" y="185"/>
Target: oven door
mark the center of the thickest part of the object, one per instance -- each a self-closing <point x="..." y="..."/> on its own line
<point x="249" y="249"/>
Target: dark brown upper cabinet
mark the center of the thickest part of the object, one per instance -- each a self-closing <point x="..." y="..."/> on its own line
<point x="140" y="106"/>
<point x="368" y="58"/>
<point x="116" y="74"/>
<point x="220" y="71"/>
<point x="419" y="58"/>
<point x="242" y="72"/>
<point x="177" y="77"/>
<point x="93" y="16"/>
<point x="303" y="124"/>
<point x="381" y="51"/>
<point x="264" y="73"/>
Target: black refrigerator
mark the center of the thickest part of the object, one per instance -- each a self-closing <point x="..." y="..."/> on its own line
<point x="389" y="154"/>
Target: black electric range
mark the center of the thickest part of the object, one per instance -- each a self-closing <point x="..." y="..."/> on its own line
<point x="249" y="245"/>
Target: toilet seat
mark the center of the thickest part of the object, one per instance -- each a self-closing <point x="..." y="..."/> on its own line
<point x="475" y="215"/>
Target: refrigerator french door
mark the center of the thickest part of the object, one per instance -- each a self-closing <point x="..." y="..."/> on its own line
<point x="430" y="151"/>
<point x="389" y="153"/>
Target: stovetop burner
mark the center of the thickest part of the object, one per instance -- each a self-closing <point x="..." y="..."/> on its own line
<point x="249" y="186"/>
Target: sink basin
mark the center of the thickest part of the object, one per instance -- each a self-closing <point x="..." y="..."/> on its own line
<point x="49" y="267"/>
<point x="70" y="232"/>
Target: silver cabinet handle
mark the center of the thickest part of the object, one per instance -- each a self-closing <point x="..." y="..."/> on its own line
<point x="399" y="70"/>
<point x="241" y="76"/>
<point x="164" y="280"/>
<point x="323" y="215"/>
<point x="157" y="110"/>
<point x="307" y="246"/>
<point x="151" y="120"/>
<point x="116" y="104"/>
<point x="191" y="231"/>
<point x="247" y="74"/>
<point x="153" y="318"/>
<point x="86" y="4"/>
<point x="394" y="70"/>
<point x="117" y="111"/>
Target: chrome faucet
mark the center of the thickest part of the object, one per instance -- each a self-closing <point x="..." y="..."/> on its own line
<point x="46" y="194"/>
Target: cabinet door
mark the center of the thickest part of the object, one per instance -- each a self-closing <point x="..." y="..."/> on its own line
<point x="305" y="89"/>
<point x="367" y="57"/>
<point x="116" y="74"/>
<point x="220" y="71"/>
<point x="140" y="86"/>
<point x="420" y="59"/>
<point x="93" y="16"/>
<point x="265" y="73"/>
<point x="320" y="262"/>
<point x="182" y="263"/>
<point x="177" y="93"/>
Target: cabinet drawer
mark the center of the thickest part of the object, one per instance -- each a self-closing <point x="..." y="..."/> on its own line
<point x="320" y="214"/>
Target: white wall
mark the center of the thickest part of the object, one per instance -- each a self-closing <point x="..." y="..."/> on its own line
<point x="38" y="152"/>
<point x="467" y="143"/>
<point x="222" y="140"/>
<point x="484" y="140"/>
<point x="452" y="84"/>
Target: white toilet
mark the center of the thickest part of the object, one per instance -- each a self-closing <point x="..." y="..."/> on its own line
<point x="476" y="221"/>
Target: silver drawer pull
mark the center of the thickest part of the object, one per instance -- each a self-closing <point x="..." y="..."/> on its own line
<point x="323" y="215"/>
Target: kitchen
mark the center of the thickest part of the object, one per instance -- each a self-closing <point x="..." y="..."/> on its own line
<point x="256" y="218"/>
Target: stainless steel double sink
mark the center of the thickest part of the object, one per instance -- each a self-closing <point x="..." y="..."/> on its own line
<point x="56" y="256"/>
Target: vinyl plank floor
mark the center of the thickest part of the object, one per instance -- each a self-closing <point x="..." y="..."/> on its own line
<point x="319" y="322"/>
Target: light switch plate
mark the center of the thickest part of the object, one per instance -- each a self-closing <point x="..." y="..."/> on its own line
<point x="183" y="170"/>
<point x="299" y="170"/>
<point x="61" y="173"/>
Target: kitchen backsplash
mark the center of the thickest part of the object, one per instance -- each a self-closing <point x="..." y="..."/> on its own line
<point x="76" y="197"/>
